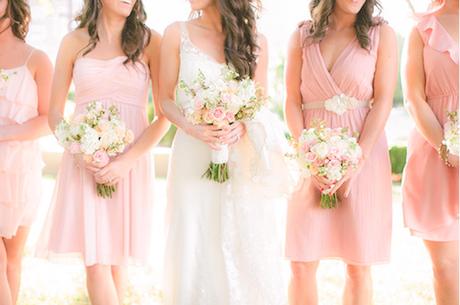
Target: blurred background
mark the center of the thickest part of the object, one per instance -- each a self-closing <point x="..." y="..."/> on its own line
<point x="407" y="280"/>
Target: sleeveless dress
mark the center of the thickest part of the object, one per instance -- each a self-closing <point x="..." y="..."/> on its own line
<point x="104" y="231"/>
<point x="359" y="230"/>
<point x="430" y="188"/>
<point x="222" y="239"/>
<point x="20" y="161"/>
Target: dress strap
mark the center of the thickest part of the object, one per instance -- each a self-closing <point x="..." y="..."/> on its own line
<point x="184" y="32"/>
<point x="29" y="56"/>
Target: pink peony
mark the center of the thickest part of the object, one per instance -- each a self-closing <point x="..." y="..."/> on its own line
<point x="74" y="148"/>
<point x="100" y="158"/>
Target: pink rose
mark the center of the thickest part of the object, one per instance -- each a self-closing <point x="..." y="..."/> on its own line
<point x="218" y="114"/>
<point x="310" y="157"/>
<point x="198" y="104"/>
<point x="100" y="158"/>
<point x="74" y="148"/>
<point x="333" y="163"/>
<point x="230" y="117"/>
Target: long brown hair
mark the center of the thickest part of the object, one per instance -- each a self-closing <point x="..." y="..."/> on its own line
<point x="134" y="37"/>
<point x="321" y="10"/>
<point x="18" y="11"/>
<point x="238" y="20"/>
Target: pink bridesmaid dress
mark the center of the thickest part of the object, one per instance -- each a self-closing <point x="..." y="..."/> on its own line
<point x="430" y="188"/>
<point x="359" y="230"/>
<point x="112" y="231"/>
<point x="20" y="161"/>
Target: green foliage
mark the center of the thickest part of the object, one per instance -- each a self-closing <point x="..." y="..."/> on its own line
<point x="398" y="156"/>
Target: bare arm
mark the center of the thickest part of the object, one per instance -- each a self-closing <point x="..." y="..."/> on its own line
<point x="384" y="86"/>
<point x="413" y="80"/>
<point x="42" y="70"/>
<point x="293" y="103"/>
<point x="67" y="55"/>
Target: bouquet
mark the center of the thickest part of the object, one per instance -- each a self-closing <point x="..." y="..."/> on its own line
<point x="98" y="134"/>
<point x="329" y="153"/>
<point x="221" y="102"/>
<point x="451" y="133"/>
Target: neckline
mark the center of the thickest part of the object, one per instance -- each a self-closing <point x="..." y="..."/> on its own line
<point x="101" y="59"/>
<point x="445" y="31"/>
<point x="338" y="59"/>
<point x="14" y="69"/>
<point x="199" y="50"/>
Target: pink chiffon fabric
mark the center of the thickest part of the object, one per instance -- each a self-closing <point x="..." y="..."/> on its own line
<point x="20" y="161"/>
<point x="430" y="188"/>
<point x="112" y="231"/>
<point x="359" y="230"/>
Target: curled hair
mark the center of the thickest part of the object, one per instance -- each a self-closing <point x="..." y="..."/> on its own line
<point x="18" y="11"/>
<point x="135" y="35"/>
<point x="321" y="10"/>
<point x="238" y="20"/>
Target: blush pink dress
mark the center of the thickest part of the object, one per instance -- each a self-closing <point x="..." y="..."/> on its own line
<point x="104" y="231"/>
<point x="359" y="230"/>
<point x="430" y="188"/>
<point x="20" y="161"/>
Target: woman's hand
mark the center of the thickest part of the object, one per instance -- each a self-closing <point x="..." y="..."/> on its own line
<point x="234" y="133"/>
<point x="343" y="187"/>
<point x="209" y="134"/>
<point x="113" y="172"/>
<point x="81" y="163"/>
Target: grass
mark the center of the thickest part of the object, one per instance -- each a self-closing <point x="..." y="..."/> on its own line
<point x="405" y="281"/>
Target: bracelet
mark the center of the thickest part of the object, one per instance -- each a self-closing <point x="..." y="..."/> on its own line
<point x="443" y="152"/>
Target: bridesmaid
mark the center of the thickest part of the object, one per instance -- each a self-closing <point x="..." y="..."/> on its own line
<point x="112" y="57"/>
<point x="343" y="50"/>
<point x="430" y="185"/>
<point x="25" y="85"/>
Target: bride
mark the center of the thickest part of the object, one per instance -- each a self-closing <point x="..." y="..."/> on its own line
<point x="223" y="244"/>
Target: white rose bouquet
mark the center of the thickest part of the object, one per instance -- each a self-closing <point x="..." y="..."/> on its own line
<point x="329" y="153"/>
<point x="221" y="102"/>
<point x="98" y="135"/>
<point x="451" y="133"/>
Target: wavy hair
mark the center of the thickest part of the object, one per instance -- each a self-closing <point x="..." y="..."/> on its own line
<point x="239" y="18"/>
<point x="321" y="10"/>
<point x="18" y="11"/>
<point x="135" y="35"/>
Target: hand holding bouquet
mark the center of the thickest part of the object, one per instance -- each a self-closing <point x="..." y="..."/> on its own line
<point x="328" y="154"/>
<point x="97" y="135"/>
<point x="451" y="133"/>
<point x="221" y="102"/>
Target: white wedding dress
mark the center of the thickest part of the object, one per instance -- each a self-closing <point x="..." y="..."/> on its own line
<point x="224" y="240"/>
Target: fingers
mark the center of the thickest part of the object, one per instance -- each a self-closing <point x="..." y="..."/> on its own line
<point x="321" y="185"/>
<point x="214" y="145"/>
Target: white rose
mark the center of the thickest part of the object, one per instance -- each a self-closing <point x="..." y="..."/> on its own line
<point x="320" y="149"/>
<point x="90" y="141"/>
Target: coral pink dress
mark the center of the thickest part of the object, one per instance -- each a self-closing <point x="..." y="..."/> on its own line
<point x="104" y="231"/>
<point x="359" y="230"/>
<point x="20" y="161"/>
<point x="430" y="188"/>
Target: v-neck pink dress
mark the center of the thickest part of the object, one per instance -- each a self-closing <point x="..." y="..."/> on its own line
<point x="20" y="161"/>
<point x="112" y="231"/>
<point x="359" y="230"/>
<point x="430" y="188"/>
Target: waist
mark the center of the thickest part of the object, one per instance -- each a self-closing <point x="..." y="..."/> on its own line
<point x="338" y="104"/>
<point x="111" y="100"/>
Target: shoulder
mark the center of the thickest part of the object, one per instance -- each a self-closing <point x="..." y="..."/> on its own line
<point x="386" y="32"/>
<point x="155" y="39"/>
<point x="174" y="29"/>
<point x="74" y="42"/>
